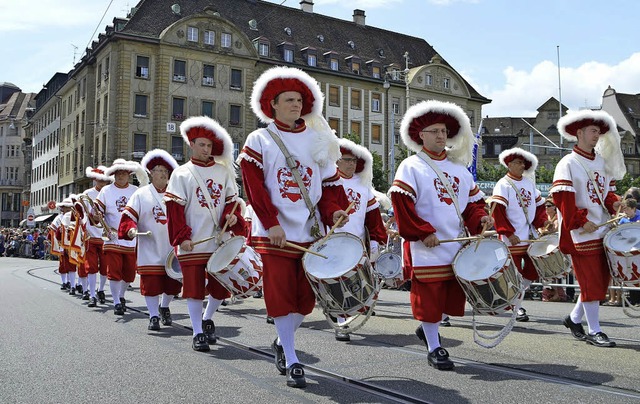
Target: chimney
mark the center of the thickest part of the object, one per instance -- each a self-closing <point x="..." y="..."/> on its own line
<point x="307" y="6"/>
<point x="358" y="17"/>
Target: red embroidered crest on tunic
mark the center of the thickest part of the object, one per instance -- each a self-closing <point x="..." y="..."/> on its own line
<point x="443" y="194"/>
<point x="593" y="196"/>
<point x="121" y="203"/>
<point x="287" y="183"/>
<point x="158" y="215"/>
<point x="215" y="192"/>
<point x="353" y="196"/>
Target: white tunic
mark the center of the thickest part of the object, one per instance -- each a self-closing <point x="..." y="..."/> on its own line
<point x="95" y="234"/>
<point x="505" y="194"/>
<point x="111" y="202"/>
<point x="365" y="201"/>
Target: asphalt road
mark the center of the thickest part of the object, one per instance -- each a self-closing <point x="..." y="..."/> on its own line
<point x="55" y="349"/>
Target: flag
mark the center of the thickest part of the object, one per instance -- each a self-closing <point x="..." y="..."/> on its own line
<point x="473" y="168"/>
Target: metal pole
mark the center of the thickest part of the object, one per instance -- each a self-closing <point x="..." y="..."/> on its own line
<point x="560" y="100"/>
<point x="392" y="163"/>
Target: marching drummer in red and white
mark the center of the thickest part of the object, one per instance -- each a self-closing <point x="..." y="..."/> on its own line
<point x="519" y="211"/>
<point x="94" y="260"/>
<point x="119" y="255"/>
<point x="56" y="237"/>
<point x="145" y="217"/>
<point x="199" y="197"/>
<point x="355" y="166"/>
<point x="584" y="191"/>
<point x="434" y="198"/>
<point x="290" y="197"/>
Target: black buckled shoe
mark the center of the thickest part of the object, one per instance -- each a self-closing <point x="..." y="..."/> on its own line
<point x="600" y="339"/>
<point x="423" y="338"/>
<point x="270" y="320"/>
<point x="123" y="303"/>
<point x="72" y="291"/>
<point x="118" y="311"/>
<point x="85" y="295"/>
<point x="165" y="316"/>
<point x="522" y="315"/>
<point x="281" y="361"/>
<point x="295" y="376"/>
<point x="93" y="302"/>
<point x="209" y="329"/>
<point x="154" y="323"/>
<point x="577" y="330"/>
<point x="200" y="343"/>
<point x="445" y="322"/>
<point x="63" y="286"/>
<point x="342" y="336"/>
<point x="101" y="297"/>
<point x="79" y="289"/>
<point x="258" y="294"/>
<point x="439" y="359"/>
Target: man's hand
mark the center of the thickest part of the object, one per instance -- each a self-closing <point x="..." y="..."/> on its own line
<point x="487" y="222"/>
<point x="431" y="241"/>
<point x="340" y="214"/>
<point x="187" y="245"/>
<point x="514" y="240"/>
<point x="589" y="227"/>
<point x="277" y="236"/>
<point x="231" y="220"/>
<point x="616" y="205"/>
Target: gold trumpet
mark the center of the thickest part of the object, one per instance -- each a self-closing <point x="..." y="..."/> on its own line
<point x="107" y="232"/>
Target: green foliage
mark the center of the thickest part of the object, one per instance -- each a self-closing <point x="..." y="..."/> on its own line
<point x="625" y="183"/>
<point x="490" y="172"/>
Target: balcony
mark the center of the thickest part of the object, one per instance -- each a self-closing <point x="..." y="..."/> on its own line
<point x="208" y="81"/>
<point x="177" y="156"/>
<point x="178" y="117"/>
<point x="138" y="154"/>
<point x="180" y="78"/>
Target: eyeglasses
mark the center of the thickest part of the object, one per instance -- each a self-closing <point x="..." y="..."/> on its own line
<point x="160" y="170"/>
<point x="436" y="131"/>
<point x="550" y="206"/>
<point x="349" y="160"/>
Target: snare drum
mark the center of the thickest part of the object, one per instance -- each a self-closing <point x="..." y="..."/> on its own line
<point x="172" y="266"/>
<point x="388" y="266"/>
<point x="343" y="283"/>
<point x="237" y="267"/>
<point x="488" y="276"/>
<point x="549" y="262"/>
<point x="622" y="246"/>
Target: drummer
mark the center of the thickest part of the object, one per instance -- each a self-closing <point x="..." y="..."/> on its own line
<point x="288" y="209"/>
<point x="519" y="211"/>
<point x="196" y="211"/>
<point x="355" y="166"/>
<point x="597" y="157"/>
<point x="426" y="212"/>
<point x="145" y="211"/>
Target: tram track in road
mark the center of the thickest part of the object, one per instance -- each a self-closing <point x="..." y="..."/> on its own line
<point x="387" y="394"/>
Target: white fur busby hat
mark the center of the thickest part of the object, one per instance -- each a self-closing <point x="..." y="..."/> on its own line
<point x="159" y="157"/>
<point x="530" y="160"/>
<point x="97" y="173"/>
<point x="364" y="166"/>
<point x="609" y="142"/>
<point x="280" y="79"/>
<point x="132" y="167"/>
<point x="203" y="126"/>
<point x="66" y="203"/>
<point x="460" y="140"/>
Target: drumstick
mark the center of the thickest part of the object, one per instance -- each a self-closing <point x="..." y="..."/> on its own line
<point x="613" y="219"/>
<point x="224" y="228"/>
<point x="301" y="248"/>
<point x="485" y="227"/>
<point x="338" y="222"/>
<point x="459" y="239"/>
<point x="144" y="233"/>
<point x="204" y="240"/>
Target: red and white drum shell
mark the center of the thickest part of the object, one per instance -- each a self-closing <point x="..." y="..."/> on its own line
<point x="237" y="267"/>
<point x="172" y="266"/>
<point x="622" y="245"/>
<point x="488" y="276"/>
<point x="549" y="262"/>
<point x="344" y="282"/>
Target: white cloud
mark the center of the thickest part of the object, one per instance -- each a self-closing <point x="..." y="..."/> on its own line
<point x="582" y="86"/>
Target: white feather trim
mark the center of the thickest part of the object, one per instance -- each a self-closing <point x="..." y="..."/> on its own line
<point x="281" y="72"/>
<point x="366" y="175"/>
<point x="383" y="200"/>
<point x="245" y="156"/>
<point x="531" y="172"/>
<point x="158" y="153"/>
<point x="89" y="173"/>
<point x="122" y="164"/>
<point x="396" y="188"/>
<point x="221" y="133"/>
<point x="325" y="148"/>
<point x="459" y="147"/>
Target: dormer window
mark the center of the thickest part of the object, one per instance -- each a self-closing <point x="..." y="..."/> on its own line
<point x="354" y="64"/>
<point x="310" y="55"/>
<point x="331" y="59"/>
<point x="192" y="34"/>
<point x="262" y="46"/>
<point x="286" y="51"/>
<point x="375" y="67"/>
<point x="429" y="79"/>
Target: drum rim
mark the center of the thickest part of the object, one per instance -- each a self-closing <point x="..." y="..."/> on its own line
<point x="222" y="246"/>
<point x="166" y="265"/>
<point x="471" y="244"/>
<point x="306" y="257"/>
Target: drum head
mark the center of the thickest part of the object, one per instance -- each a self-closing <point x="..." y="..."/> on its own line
<point x="624" y="238"/>
<point x="343" y="251"/>
<point x="544" y="247"/>
<point x="389" y="265"/>
<point x="227" y="252"/>
<point x="472" y="265"/>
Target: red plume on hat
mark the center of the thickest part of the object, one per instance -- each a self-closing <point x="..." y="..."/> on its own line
<point x="460" y="140"/>
<point x="159" y="157"/>
<point x="279" y="79"/>
<point x="98" y="173"/>
<point x="364" y="166"/>
<point x="203" y="126"/>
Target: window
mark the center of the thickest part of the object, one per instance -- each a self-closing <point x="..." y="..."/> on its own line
<point x="333" y="64"/>
<point x="497" y="148"/>
<point x="375" y="72"/>
<point x="355" y="99"/>
<point x="288" y="55"/>
<point x="209" y="37"/>
<point x="208" y="75"/>
<point x="395" y="106"/>
<point x="355" y="128"/>
<point x="376" y="134"/>
<point x="179" y="70"/>
<point x="428" y="80"/>
<point x="446" y="83"/>
<point x="552" y="115"/>
<point x="334" y="96"/>
<point x="236" y="150"/>
<point x="139" y="145"/>
<point x="234" y="115"/>
<point x="141" y="106"/>
<point x="355" y="67"/>
<point x="177" y="147"/>
<point x="105" y="109"/>
<point x="192" y="34"/>
<point x="263" y="49"/>
<point x="334" y="123"/>
<point x="312" y="60"/>
<point x="142" y="67"/>
<point x="106" y="69"/>
<point x="225" y="40"/>
<point x="207" y="108"/>
<point x="178" y="108"/>
<point x="375" y="102"/>
<point x="236" y="79"/>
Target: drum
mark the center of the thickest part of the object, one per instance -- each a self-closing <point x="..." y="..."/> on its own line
<point x="344" y="282"/>
<point x="172" y="266"/>
<point x="488" y="276"/>
<point x="388" y="266"/>
<point x="237" y="267"/>
<point x="549" y="262"/>
<point x="622" y="245"/>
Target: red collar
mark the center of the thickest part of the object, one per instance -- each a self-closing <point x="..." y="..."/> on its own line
<point x="160" y="191"/>
<point x="441" y="156"/>
<point x="513" y="177"/>
<point x="583" y="153"/>
<point x="300" y="126"/>
<point x="343" y="175"/>
<point x="118" y="186"/>
<point x="201" y="163"/>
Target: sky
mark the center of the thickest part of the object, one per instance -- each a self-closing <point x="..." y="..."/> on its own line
<point x="507" y="49"/>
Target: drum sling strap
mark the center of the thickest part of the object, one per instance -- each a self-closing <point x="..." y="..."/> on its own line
<point x="207" y="197"/>
<point x="532" y="230"/>
<point x="291" y="163"/>
<point x="447" y="184"/>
